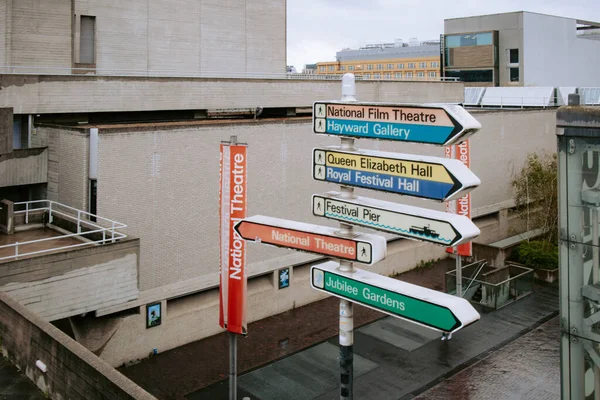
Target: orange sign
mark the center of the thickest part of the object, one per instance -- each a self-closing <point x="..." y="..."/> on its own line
<point x="461" y="206"/>
<point x="232" y="209"/>
<point x="270" y="231"/>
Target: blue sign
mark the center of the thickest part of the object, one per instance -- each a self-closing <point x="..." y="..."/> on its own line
<point x="390" y="131"/>
<point x="284" y="278"/>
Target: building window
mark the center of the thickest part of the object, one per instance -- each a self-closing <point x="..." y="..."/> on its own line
<point x="87" y="40"/>
<point x="421" y="74"/>
<point x="388" y="75"/>
<point x="330" y="68"/>
<point x="409" y="75"/>
<point x="398" y="75"/>
<point x="322" y="68"/>
<point x="379" y="66"/>
<point x="514" y="74"/>
<point x="485" y="75"/>
<point x="432" y="74"/>
<point x="369" y="66"/>
<point x="411" y="65"/>
<point x="367" y="76"/>
<point x="350" y="67"/>
<point x="514" y="56"/>
<point x="390" y="66"/>
<point x="435" y="64"/>
<point x="422" y="65"/>
<point x="93" y="206"/>
<point x="342" y="67"/>
<point x="377" y="76"/>
<point x="401" y="66"/>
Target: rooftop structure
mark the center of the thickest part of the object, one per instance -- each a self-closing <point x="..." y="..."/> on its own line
<point x="522" y="49"/>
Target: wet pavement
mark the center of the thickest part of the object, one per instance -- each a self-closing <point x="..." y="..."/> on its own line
<point x="294" y="355"/>
<point x="528" y="368"/>
<point x="14" y="385"/>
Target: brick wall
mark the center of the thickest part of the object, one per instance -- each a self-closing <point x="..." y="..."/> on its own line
<point x="73" y="372"/>
<point x="68" y="165"/>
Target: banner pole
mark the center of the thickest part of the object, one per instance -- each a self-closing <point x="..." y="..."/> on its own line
<point x="232" y="366"/>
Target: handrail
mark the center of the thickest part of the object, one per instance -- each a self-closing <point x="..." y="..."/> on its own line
<point x="109" y="234"/>
<point x="483" y="264"/>
<point x="82" y="71"/>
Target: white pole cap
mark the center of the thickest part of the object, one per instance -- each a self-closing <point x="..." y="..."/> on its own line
<point x="348" y="87"/>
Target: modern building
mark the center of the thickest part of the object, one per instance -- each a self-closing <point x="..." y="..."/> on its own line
<point x="522" y="49"/>
<point x="194" y="38"/>
<point x="398" y="60"/>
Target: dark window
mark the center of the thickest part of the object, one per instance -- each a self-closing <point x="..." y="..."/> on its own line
<point x="93" y="198"/>
<point x="87" y="52"/>
<point x="514" y="74"/>
<point x="483" y="75"/>
<point x="514" y="56"/>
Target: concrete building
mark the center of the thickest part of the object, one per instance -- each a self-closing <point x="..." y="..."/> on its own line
<point x="198" y="37"/>
<point x="143" y="150"/>
<point x="398" y="60"/>
<point x="522" y="49"/>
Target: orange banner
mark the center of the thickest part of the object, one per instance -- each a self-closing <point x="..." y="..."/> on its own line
<point x="232" y="209"/>
<point x="461" y="206"/>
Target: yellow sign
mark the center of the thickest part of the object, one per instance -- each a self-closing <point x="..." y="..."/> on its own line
<point x="388" y="166"/>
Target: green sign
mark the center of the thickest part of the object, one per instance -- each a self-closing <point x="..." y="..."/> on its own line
<point x="387" y="301"/>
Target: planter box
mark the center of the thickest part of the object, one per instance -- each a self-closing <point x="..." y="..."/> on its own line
<point x="546" y="275"/>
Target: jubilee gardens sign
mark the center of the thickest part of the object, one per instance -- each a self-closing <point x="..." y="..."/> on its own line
<point x="431" y="178"/>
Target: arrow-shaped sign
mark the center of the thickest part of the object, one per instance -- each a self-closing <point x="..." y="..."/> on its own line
<point x="432" y="124"/>
<point x="411" y="222"/>
<point x="418" y="176"/>
<point x="363" y="248"/>
<point x="430" y="308"/>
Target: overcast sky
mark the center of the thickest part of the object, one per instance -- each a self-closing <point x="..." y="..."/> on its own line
<point x="316" y="29"/>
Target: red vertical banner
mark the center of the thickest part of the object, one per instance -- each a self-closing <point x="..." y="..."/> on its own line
<point x="232" y="208"/>
<point x="461" y="206"/>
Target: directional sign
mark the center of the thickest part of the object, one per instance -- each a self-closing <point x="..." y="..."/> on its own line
<point x="419" y="176"/>
<point x="362" y="248"/>
<point x="430" y="308"/>
<point x="431" y="124"/>
<point x="411" y="222"/>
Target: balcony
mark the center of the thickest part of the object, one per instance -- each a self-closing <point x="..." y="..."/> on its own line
<point x="59" y="261"/>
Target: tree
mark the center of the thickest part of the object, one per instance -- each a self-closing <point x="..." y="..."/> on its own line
<point x="536" y="197"/>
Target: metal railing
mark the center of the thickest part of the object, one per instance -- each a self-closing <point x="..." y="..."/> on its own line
<point x="88" y="226"/>
<point x="36" y="70"/>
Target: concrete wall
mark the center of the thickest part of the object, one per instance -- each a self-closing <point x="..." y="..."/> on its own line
<point x="175" y="214"/>
<point x="87" y="94"/>
<point x="4" y="43"/>
<point x="24" y="167"/>
<point x="73" y="372"/>
<point x="70" y="283"/>
<point x="67" y="165"/>
<point x="191" y="36"/>
<point x="554" y="56"/>
<point x="510" y="36"/>
<point x="40" y="33"/>
<point x="6" y="130"/>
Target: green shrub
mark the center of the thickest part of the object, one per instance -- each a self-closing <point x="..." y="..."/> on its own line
<point x="536" y="254"/>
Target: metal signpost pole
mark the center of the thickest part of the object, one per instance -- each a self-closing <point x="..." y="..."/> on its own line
<point x="459" y="291"/>
<point x="346" y="307"/>
<point x="232" y="366"/>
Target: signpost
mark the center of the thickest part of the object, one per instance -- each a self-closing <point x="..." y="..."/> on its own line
<point x="411" y="222"/>
<point x="418" y="123"/>
<point x="430" y="308"/>
<point x="418" y="176"/>
<point x="363" y="248"/>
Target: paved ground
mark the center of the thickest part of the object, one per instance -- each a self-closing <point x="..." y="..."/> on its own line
<point x="14" y="385"/>
<point x="393" y="359"/>
<point x="528" y="368"/>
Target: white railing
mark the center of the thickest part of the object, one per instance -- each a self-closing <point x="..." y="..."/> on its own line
<point x="35" y="70"/>
<point x="82" y="219"/>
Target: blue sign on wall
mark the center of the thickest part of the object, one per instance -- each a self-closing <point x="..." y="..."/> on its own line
<point x="284" y="278"/>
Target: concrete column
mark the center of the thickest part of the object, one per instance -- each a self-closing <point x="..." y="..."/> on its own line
<point x="6" y="130"/>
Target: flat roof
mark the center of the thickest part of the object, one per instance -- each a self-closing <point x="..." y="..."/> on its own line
<point x="35" y="234"/>
<point x="579" y="21"/>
